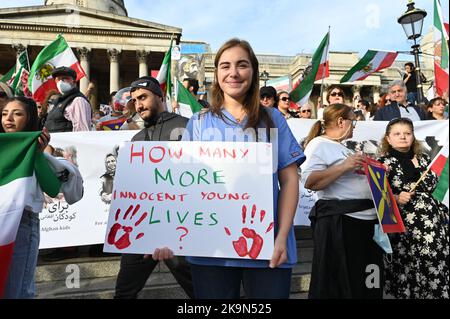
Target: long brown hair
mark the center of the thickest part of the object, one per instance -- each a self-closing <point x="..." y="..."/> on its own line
<point x="333" y="87"/>
<point x="330" y="115"/>
<point x="385" y="146"/>
<point x="255" y="112"/>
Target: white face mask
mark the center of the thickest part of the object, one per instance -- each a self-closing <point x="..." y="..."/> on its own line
<point x="64" y="87"/>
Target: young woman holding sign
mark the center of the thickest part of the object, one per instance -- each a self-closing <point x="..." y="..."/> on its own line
<point x="236" y="108"/>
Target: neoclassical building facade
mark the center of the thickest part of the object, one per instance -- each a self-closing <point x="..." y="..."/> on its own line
<point x="113" y="49"/>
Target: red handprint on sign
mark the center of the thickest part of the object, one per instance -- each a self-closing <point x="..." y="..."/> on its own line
<point x="240" y="245"/>
<point x="124" y="241"/>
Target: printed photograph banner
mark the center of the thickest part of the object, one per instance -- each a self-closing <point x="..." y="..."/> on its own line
<point x="366" y="138"/>
<point x="84" y="223"/>
<point x="177" y="194"/>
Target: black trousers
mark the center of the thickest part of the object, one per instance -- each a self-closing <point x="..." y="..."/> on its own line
<point x="135" y="270"/>
<point x="363" y="254"/>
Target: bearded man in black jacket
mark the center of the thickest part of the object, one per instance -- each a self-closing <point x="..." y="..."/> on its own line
<point x="160" y="125"/>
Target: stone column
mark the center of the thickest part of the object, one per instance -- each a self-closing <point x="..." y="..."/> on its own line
<point x="142" y="59"/>
<point x="356" y="89"/>
<point x="113" y="55"/>
<point x="376" y="94"/>
<point x="84" y="54"/>
<point x="324" y="94"/>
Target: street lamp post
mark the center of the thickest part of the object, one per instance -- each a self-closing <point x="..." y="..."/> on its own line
<point x="264" y="77"/>
<point x="412" y="23"/>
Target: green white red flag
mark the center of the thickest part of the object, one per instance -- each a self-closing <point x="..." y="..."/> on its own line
<point x="17" y="77"/>
<point x="373" y="61"/>
<point x="316" y="70"/>
<point x="24" y="171"/>
<point x="440" y="167"/>
<point x="440" y="50"/>
<point x="187" y="102"/>
<point x="56" y="54"/>
<point x="164" y="74"/>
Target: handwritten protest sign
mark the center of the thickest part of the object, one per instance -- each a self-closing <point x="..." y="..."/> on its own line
<point x="198" y="199"/>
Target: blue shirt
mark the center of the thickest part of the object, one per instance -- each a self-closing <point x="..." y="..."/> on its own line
<point x="214" y="128"/>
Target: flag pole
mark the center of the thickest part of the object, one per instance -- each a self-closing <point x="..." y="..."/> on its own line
<point x="420" y="180"/>
<point x="28" y="59"/>
<point x="324" y="69"/>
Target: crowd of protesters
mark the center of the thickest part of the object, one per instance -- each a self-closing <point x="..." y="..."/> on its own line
<point x="343" y="219"/>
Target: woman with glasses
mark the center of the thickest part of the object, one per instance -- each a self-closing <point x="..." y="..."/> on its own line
<point x="344" y="218"/>
<point x="335" y="94"/>
<point x="46" y="106"/>
<point x="419" y="267"/>
<point x="284" y="102"/>
<point x="306" y="111"/>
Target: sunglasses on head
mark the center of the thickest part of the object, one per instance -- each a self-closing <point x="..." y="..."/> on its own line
<point x="400" y="120"/>
<point x="3" y="94"/>
<point x="337" y="94"/>
<point x="284" y="99"/>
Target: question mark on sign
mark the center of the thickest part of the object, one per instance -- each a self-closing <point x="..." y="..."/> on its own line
<point x="186" y="231"/>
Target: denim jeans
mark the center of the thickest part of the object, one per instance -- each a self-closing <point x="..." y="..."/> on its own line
<point x="217" y="282"/>
<point x="412" y="97"/>
<point x="21" y="277"/>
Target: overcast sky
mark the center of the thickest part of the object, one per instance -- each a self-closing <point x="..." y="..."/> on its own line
<point x="284" y="27"/>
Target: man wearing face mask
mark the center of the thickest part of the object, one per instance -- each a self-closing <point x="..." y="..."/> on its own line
<point x="72" y="110"/>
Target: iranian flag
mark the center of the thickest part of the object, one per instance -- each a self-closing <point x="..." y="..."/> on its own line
<point x="317" y="70"/>
<point x="17" y="77"/>
<point x="164" y="74"/>
<point x="373" y="61"/>
<point x="440" y="167"/>
<point x="440" y="50"/>
<point x="56" y="54"/>
<point x="23" y="172"/>
<point x="188" y="104"/>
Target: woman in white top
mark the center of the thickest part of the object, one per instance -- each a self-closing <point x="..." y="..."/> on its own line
<point x="344" y="218"/>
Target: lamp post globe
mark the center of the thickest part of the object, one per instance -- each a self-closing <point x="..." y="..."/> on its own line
<point x="264" y="77"/>
<point x="412" y="23"/>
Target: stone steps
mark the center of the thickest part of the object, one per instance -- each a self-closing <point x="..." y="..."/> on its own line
<point x="98" y="277"/>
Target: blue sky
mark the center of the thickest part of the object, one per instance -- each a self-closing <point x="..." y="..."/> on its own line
<point x="284" y="27"/>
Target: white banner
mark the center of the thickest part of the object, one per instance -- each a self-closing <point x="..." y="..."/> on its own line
<point x="366" y="138"/>
<point x="84" y="223"/>
<point x="177" y="194"/>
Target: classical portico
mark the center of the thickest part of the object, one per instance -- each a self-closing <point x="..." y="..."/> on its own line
<point x="113" y="49"/>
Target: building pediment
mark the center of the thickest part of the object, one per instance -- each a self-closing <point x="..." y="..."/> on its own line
<point x="82" y="19"/>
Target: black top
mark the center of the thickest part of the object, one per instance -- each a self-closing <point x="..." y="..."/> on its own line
<point x="411" y="84"/>
<point x="166" y="127"/>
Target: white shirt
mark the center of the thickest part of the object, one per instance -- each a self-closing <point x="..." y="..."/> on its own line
<point x="322" y="153"/>
<point x="409" y="112"/>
